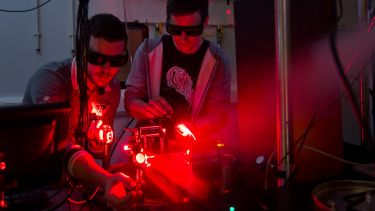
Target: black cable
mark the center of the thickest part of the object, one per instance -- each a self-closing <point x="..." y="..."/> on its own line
<point x="348" y="90"/>
<point x="304" y="135"/>
<point x="303" y="138"/>
<point x="126" y="125"/>
<point x="341" y="12"/>
<point x="348" y="86"/>
<point x="312" y="123"/>
<point x="27" y="10"/>
<point x="82" y="43"/>
<point x="369" y="7"/>
<point x="317" y="120"/>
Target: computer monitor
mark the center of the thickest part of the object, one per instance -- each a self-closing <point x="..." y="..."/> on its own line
<point x="28" y="143"/>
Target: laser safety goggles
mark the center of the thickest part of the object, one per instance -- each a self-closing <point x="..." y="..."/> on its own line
<point x="96" y="58"/>
<point x="189" y="30"/>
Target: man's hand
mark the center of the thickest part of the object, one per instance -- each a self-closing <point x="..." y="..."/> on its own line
<point x="121" y="192"/>
<point x="156" y="108"/>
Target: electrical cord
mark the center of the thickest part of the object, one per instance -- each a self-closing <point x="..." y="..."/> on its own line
<point x="369" y="8"/>
<point x="348" y="91"/>
<point x="314" y="150"/>
<point x="331" y="107"/>
<point x="27" y="10"/>
<point x="334" y="157"/>
<point x="309" y="127"/>
<point x="128" y="44"/>
<point x="367" y="140"/>
<point x="86" y="200"/>
<point x="82" y="43"/>
<point x="303" y="137"/>
<point x="268" y="165"/>
<point x="341" y="10"/>
<point x="126" y="125"/>
<point x="338" y="63"/>
<point x="333" y="47"/>
<point x="311" y="124"/>
<point x="314" y="120"/>
<point x="82" y="203"/>
<point x="372" y="17"/>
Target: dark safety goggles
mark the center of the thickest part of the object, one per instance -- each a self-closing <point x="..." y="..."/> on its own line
<point x="189" y="30"/>
<point x="96" y="58"/>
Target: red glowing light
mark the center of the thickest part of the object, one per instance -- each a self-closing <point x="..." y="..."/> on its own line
<point x="2" y="166"/>
<point x="95" y="110"/>
<point x="127" y="148"/>
<point x="175" y="179"/>
<point x="100" y="122"/>
<point x="220" y="145"/>
<point x="118" y="191"/>
<point x="140" y="158"/>
<point x="101" y="138"/>
<point x="185" y="131"/>
<point x="185" y="200"/>
<point x="228" y="11"/>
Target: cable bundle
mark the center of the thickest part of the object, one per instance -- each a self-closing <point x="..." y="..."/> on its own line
<point x="82" y="43"/>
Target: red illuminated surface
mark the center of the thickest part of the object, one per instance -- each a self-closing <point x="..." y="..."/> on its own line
<point x="185" y="131"/>
<point x="118" y="190"/>
<point x="170" y="174"/>
<point x="2" y="166"/>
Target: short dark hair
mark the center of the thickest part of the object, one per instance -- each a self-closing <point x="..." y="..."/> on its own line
<point x="183" y="7"/>
<point x="107" y="26"/>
